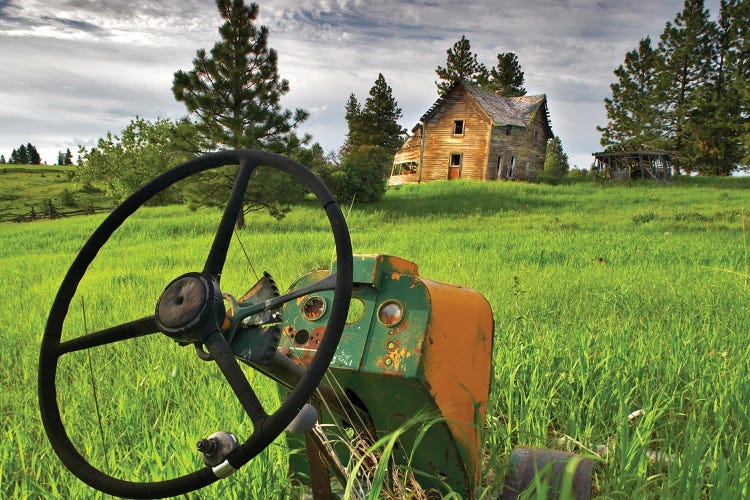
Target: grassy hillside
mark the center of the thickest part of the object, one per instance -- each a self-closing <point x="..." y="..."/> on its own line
<point x="25" y="186"/>
<point x="606" y="301"/>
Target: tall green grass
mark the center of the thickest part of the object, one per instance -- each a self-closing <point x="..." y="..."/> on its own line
<point x="606" y="301"/>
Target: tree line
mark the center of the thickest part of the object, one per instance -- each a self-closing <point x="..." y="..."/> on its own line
<point x="688" y="93"/>
<point x="27" y="154"/>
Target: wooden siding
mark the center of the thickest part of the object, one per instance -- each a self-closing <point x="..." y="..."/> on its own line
<point x="440" y="142"/>
<point x="521" y="145"/>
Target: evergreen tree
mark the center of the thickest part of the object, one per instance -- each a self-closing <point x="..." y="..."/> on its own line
<point x="13" y="159"/>
<point x="379" y="118"/>
<point x="60" y="158"/>
<point x="68" y="157"/>
<point x="633" y="118"/>
<point x="685" y="51"/>
<point x="506" y="78"/>
<point x="23" y="155"/>
<point x="716" y="119"/>
<point x="234" y="94"/>
<point x="556" y="164"/>
<point x="2" y="160"/>
<point x="355" y="123"/>
<point x="461" y="64"/>
<point x="34" y="158"/>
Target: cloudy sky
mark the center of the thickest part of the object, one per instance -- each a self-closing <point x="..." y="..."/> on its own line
<point x="71" y="70"/>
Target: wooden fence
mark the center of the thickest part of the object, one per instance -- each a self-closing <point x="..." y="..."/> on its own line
<point x="50" y="211"/>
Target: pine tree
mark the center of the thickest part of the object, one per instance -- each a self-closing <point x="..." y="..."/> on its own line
<point x="13" y="159"/>
<point x="556" y="164"/>
<point x="461" y="64"/>
<point x="234" y="95"/>
<point x="60" y="158"/>
<point x="506" y="78"/>
<point x="632" y="112"/>
<point x="2" y="160"/>
<point x="354" y="121"/>
<point x="376" y="124"/>
<point x="34" y="158"/>
<point x="685" y="50"/>
<point x="23" y="155"/>
<point x="380" y="115"/>
<point x="68" y="157"/>
<point x="716" y="119"/>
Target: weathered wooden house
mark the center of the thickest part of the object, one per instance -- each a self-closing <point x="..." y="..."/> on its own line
<point x="472" y="133"/>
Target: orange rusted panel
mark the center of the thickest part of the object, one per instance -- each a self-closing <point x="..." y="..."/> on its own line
<point x="457" y="361"/>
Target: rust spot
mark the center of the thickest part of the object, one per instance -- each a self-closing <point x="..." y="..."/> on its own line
<point x="289" y="331"/>
<point x="392" y="361"/>
<point x="395" y="276"/>
<point x="399" y="328"/>
<point x="316" y="337"/>
<point x="304" y="359"/>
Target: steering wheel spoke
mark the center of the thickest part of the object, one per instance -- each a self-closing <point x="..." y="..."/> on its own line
<point x="126" y="331"/>
<point x="222" y="238"/>
<point x="221" y="352"/>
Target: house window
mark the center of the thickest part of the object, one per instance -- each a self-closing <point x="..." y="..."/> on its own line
<point x="507" y="130"/>
<point x="500" y="173"/>
<point x="406" y="168"/>
<point x="455" y="159"/>
<point x="512" y="170"/>
<point x="454" y="168"/>
<point x="458" y="127"/>
<point x="536" y="135"/>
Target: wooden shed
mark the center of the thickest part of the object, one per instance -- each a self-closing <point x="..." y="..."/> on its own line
<point x="619" y="165"/>
<point x="472" y="133"/>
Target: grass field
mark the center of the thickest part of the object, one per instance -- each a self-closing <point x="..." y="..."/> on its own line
<point x="606" y="301"/>
<point x="27" y="186"/>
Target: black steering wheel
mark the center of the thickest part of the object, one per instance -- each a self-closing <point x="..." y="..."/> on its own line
<point x="191" y="310"/>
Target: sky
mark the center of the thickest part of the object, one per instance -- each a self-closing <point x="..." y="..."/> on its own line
<point x="73" y="70"/>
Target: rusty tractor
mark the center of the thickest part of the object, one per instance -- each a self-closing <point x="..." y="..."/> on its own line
<point x="362" y="348"/>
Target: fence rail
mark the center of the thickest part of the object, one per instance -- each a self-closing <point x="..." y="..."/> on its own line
<point x="49" y="211"/>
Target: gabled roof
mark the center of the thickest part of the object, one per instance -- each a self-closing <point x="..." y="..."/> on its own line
<point x="516" y="111"/>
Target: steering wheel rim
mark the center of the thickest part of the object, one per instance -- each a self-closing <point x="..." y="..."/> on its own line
<point x="265" y="430"/>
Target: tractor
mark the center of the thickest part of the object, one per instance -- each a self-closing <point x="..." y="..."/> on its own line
<point x="362" y="348"/>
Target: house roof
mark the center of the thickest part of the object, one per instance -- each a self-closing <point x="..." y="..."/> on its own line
<point x="516" y="111"/>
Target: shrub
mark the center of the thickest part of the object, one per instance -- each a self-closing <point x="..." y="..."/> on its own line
<point x="362" y="174"/>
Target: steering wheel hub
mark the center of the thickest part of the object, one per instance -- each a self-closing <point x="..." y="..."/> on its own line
<point x="182" y="304"/>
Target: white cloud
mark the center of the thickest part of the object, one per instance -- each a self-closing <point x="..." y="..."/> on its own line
<point x="78" y="68"/>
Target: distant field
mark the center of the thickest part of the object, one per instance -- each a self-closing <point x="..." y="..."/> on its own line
<point x="607" y="300"/>
<point x="25" y="186"/>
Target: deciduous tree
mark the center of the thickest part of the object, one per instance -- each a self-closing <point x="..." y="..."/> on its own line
<point x="123" y="163"/>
